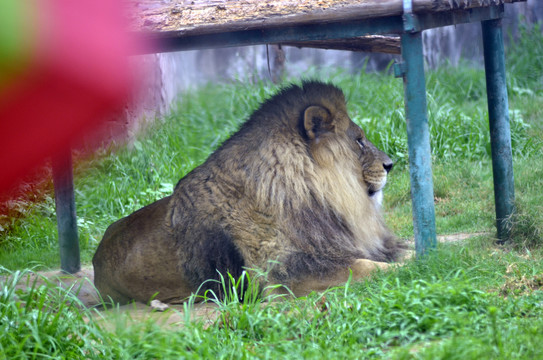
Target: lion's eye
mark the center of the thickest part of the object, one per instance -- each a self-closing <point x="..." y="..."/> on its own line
<point x="360" y="143"/>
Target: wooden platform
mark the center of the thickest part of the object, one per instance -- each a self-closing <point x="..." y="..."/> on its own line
<point x="199" y="24"/>
<point x="197" y="17"/>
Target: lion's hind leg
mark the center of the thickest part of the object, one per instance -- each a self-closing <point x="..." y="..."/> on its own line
<point x="360" y="270"/>
<point x="108" y="293"/>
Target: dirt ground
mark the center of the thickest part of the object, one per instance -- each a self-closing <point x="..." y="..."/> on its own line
<point x="81" y="284"/>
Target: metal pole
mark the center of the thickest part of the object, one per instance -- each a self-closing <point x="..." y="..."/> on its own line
<point x="66" y="218"/>
<point x="500" y="132"/>
<point x="418" y="137"/>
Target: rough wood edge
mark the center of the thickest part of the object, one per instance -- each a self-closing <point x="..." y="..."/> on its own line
<point x="152" y="22"/>
<point x="373" y="43"/>
<point x="165" y="21"/>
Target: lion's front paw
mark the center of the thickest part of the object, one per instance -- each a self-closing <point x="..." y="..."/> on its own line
<point x="363" y="267"/>
<point x="406" y="256"/>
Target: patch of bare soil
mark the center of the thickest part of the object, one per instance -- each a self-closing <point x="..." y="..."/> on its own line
<point x="459" y="237"/>
<point x="517" y="284"/>
<point x="173" y="317"/>
<point x="81" y="284"/>
<point x="521" y="286"/>
<point x="452" y="237"/>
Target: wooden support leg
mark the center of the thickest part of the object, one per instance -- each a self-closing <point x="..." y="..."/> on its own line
<point x="500" y="132"/>
<point x="418" y="136"/>
<point x="66" y="218"/>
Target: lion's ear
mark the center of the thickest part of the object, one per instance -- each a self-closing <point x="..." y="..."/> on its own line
<point x="317" y="121"/>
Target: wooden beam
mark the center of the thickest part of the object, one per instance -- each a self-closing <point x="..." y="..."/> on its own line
<point x="207" y="17"/>
<point x="370" y="43"/>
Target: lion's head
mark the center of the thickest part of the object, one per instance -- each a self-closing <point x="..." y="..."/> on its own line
<point x="335" y="140"/>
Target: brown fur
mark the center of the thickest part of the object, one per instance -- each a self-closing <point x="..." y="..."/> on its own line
<point x="296" y="185"/>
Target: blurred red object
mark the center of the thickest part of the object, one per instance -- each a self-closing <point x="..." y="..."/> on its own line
<point x="71" y="74"/>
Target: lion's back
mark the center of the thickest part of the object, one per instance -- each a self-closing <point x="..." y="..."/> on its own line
<point x="135" y="253"/>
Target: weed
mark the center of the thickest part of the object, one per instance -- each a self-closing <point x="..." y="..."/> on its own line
<point x="526" y="231"/>
<point x="43" y="322"/>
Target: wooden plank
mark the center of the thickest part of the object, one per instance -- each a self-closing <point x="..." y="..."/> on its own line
<point x="177" y="20"/>
<point x="279" y="35"/>
<point x="371" y="43"/>
<point x="206" y="17"/>
<point x="322" y="35"/>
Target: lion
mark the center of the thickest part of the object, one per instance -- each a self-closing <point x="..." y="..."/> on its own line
<point x="299" y="186"/>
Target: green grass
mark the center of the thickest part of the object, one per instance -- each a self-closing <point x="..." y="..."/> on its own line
<point x="465" y="301"/>
<point x="468" y="300"/>
<point x="40" y="322"/>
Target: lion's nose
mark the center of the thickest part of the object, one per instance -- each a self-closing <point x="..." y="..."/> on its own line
<point x="388" y="166"/>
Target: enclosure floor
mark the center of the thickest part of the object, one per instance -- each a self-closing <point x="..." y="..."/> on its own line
<point x="82" y="285"/>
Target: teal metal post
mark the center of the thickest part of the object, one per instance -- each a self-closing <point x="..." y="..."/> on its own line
<point x="66" y="218"/>
<point x="418" y="138"/>
<point x="500" y="132"/>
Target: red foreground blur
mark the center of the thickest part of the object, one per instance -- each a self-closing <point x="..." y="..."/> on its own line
<point x="72" y="74"/>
